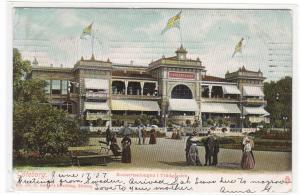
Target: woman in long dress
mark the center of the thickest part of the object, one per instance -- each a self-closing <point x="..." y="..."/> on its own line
<point x="194" y="155"/>
<point x="152" y="137"/>
<point x="126" y="151"/>
<point x="114" y="147"/>
<point x="247" y="158"/>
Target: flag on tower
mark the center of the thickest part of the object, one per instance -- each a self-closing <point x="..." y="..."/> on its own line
<point x="238" y="47"/>
<point x="86" y="31"/>
<point x="173" y="22"/>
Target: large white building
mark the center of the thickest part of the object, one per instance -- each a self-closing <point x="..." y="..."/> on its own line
<point x="171" y="89"/>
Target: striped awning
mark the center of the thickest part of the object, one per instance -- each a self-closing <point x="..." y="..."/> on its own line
<point x="220" y="108"/>
<point x="255" y="111"/>
<point x="96" y="106"/>
<point x="230" y="89"/>
<point x="135" y="105"/>
<point x="252" y="91"/>
<point x="90" y="83"/>
<point x="183" y="105"/>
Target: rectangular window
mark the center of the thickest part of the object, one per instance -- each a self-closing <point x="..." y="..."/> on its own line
<point x="47" y="87"/>
<point x="56" y="87"/>
<point x="64" y="87"/>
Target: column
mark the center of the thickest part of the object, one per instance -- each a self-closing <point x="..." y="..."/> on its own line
<point x="126" y="85"/>
<point x="142" y="87"/>
<point x="156" y="89"/>
<point x="209" y="91"/>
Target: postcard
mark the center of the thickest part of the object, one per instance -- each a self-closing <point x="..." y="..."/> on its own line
<point x="166" y="99"/>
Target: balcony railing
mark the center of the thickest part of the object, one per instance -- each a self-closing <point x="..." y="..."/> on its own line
<point x="96" y="95"/>
<point x="254" y="101"/>
<point x="183" y="117"/>
<point x="95" y="116"/>
<point x="117" y="129"/>
<point x="145" y="97"/>
<point x="255" y="119"/>
<point x="219" y="100"/>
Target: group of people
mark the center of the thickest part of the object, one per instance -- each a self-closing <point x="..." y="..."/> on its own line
<point x="211" y="145"/>
<point x="111" y="141"/>
<point x="176" y="134"/>
<point x="142" y="135"/>
<point x="126" y="142"/>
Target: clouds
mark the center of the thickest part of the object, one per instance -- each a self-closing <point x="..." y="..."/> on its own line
<point x="134" y="34"/>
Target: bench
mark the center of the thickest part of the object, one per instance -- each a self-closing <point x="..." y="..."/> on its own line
<point x="88" y="152"/>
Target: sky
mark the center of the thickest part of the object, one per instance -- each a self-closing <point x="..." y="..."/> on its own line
<point x="52" y="35"/>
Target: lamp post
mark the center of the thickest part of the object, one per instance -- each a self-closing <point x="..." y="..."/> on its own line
<point x="285" y="118"/>
<point x="165" y="121"/>
<point x="242" y="117"/>
<point x="227" y="118"/>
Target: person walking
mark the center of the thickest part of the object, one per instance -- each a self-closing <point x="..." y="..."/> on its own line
<point x="194" y="155"/>
<point x="251" y="143"/>
<point x="144" y="134"/>
<point x="216" y="151"/>
<point x="247" y="158"/>
<point x="140" y="135"/>
<point x="187" y="149"/>
<point x="152" y="136"/>
<point x="209" y="149"/>
<point x="126" y="151"/>
<point x="114" y="147"/>
<point x="108" y="135"/>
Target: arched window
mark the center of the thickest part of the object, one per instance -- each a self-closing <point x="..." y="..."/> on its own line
<point x="181" y="92"/>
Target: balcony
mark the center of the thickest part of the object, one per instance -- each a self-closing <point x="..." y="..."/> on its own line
<point x="140" y="97"/>
<point x="220" y="100"/>
<point x="255" y="119"/>
<point x="254" y="101"/>
<point x="95" y="116"/>
<point x="96" y="95"/>
<point x="179" y="117"/>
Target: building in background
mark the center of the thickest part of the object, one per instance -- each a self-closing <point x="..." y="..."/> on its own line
<point x="172" y="89"/>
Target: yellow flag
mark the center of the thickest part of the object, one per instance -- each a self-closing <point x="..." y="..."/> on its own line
<point x="87" y="31"/>
<point x="173" y="22"/>
<point x="238" y="47"/>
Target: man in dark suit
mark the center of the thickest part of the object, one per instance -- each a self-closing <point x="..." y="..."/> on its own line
<point x="209" y="149"/>
<point x="216" y="151"/>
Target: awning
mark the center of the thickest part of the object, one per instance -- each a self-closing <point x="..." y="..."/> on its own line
<point x="135" y="105"/>
<point x="183" y="105"/>
<point x="230" y="89"/>
<point x="252" y="91"/>
<point x="219" y="108"/>
<point x="255" y="111"/>
<point x="96" y="106"/>
<point x="96" y="83"/>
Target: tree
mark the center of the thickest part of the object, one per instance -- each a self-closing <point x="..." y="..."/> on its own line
<point x="24" y="88"/>
<point x="37" y="126"/>
<point x="196" y="123"/>
<point x="144" y="119"/>
<point x="45" y="129"/>
<point x="99" y="122"/>
<point x="279" y="98"/>
<point x="188" y="122"/>
<point x="137" y="122"/>
<point x="210" y="122"/>
<point x="154" y="121"/>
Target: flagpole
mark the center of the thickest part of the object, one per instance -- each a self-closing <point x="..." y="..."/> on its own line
<point x="92" y="44"/>
<point x="180" y="35"/>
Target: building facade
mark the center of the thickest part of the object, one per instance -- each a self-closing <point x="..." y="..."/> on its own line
<point x="171" y="89"/>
